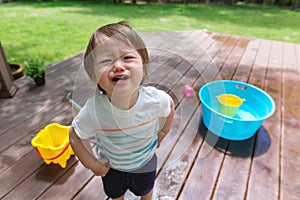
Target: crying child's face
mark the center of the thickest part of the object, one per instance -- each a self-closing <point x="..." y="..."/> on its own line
<point x="118" y="68"/>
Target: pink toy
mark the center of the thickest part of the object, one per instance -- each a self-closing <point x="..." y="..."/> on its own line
<point x="188" y="91"/>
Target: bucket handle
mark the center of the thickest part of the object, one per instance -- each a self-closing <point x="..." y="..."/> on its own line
<point x="228" y="121"/>
<point x="242" y="87"/>
<point x="61" y="153"/>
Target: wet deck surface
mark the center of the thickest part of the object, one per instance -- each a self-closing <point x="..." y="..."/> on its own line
<point x="193" y="163"/>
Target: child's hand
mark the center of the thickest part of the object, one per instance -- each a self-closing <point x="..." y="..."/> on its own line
<point x="100" y="168"/>
<point x="161" y="135"/>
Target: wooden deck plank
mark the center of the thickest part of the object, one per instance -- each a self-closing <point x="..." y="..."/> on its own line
<point x="224" y="54"/>
<point x="18" y="172"/>
<point x="234" y="163"/>
<point x="182" y="117"/>
<point x="33" y="124"/>
<point x="64" y="117"/>
<point x="218" y="145"/>
<point x="19" y="148"/>
<point x="175" y="170"/>
<point x="160" y="50"/>
<point x="205" y="169"/>
<point x="232" y="61"/>
<point x="199" y="177"/>
<point x="265" y="168"/>
<point x="69" y="184"/>
<point x="39" y="180"/>
<point x="169" y="174"/>
<point x="13" y="165"/>
<point x="206" y="66"/>
<point x="246" y="63"/>
<point x="34" y="112"/>
<point x="42" y="94"/>
<point x="290" y="185"/>
<point x="92" y="191"/>
<point x="183" y="140"/>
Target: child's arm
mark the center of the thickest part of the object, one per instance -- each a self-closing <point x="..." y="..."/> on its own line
<point x="85" y="157"/>
<point x="168" y="123"/>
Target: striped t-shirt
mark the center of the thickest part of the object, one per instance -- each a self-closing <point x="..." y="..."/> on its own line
<point x="128" y="138"/>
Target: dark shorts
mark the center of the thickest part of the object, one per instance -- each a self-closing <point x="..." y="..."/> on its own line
<point x="139" y="182"/>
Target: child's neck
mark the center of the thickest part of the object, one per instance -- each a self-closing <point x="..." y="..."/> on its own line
<point x="124" y="102"/>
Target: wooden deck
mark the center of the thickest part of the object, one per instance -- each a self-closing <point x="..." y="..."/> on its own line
<point x="193" y="163"/>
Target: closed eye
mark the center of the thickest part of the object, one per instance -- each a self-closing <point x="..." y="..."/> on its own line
<point x="106" y="61"/>
<point x="129" y="57"/>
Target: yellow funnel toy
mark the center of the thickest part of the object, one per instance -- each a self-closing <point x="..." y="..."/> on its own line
<point x="229" y="104"/>
<point x="52" y="144"/>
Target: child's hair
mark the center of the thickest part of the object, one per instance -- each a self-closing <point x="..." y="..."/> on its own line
<point x="120" y="31"/>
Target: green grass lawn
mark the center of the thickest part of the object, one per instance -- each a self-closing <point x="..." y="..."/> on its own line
<point x="52" y="31"/>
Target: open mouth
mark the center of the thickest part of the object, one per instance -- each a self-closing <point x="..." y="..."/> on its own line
<point x="119" y="78"/>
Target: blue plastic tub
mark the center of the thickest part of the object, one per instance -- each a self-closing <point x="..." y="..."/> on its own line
<point x="258" y="106"/>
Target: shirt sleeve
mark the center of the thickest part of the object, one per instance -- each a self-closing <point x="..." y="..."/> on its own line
<point x="82" y="123"/>
<point x="165" y="103"/>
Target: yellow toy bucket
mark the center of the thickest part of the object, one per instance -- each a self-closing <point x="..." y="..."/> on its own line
<point x="52" y="144"/>
<point x="229" y="104"/>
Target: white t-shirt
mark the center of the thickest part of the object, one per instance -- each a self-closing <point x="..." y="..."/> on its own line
<point x="128" y="138"/>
